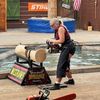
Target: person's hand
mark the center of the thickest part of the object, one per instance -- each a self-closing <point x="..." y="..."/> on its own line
<point x="48" y="42"/>
<point x="51" y="40"/>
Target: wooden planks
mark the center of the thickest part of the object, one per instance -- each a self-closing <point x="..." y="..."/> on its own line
<point x="3" y="24"/>
<point x="88" y="13"/>
<point x="25" y="14"/>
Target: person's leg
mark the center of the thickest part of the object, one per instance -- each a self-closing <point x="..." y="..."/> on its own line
<point x="56" y="86"/>
<point x="70" y="80"/>
<point x="58" y="80"/>
<point x="61" y="69"/>
<point x="69" y="74"/>
<point x="68" y="71"/>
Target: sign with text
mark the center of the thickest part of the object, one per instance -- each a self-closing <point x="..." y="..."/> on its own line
<point x="25" y="76"/>
<point x="38" y="7"/>
<point x="38" y="75"/>
<point x="66" y="6"/>
<point x="18" y="73"/>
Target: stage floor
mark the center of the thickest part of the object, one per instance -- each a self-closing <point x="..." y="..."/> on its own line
<point x="83" y="88"/>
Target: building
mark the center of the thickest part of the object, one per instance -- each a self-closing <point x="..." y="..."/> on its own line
<point x="18" y="11"/>
<point x="3" y="22"/>
<point x="89" y="14"/>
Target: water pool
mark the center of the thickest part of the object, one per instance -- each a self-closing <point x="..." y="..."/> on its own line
<point x="84" y="57"/>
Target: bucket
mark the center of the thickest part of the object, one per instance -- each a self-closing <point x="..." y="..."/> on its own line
<point x="89" y="28"/>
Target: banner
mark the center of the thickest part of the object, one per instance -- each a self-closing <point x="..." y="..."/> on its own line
<point x="13" y="9"/>
<point x="76" y="5"/>
<point x="40" y="7"/>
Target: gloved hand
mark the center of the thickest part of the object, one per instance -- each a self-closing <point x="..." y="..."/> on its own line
<point x="53" y="48"/>
<point x="49" y="44"/>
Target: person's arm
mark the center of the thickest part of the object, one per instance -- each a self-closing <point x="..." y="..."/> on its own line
<point x="61" y="34"/>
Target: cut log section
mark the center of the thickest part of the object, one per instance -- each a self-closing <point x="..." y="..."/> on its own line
<point x="38" y="55"/>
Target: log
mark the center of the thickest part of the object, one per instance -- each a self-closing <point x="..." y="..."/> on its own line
<point x="38" y="55"/>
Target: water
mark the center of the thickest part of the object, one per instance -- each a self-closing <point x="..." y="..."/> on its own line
<point x="81" y="58"/>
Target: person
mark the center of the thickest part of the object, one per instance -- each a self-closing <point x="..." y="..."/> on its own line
<point x="63" y="38"/>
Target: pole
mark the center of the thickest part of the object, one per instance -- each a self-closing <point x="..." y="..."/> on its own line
<point x="95" y="9"/>
<point x="3" y="17"/>
<point x="52" y="8"/>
